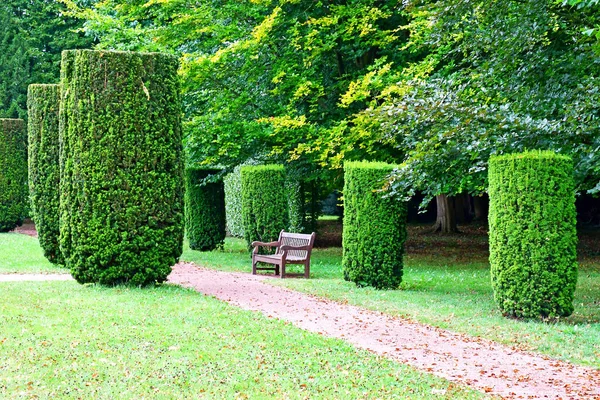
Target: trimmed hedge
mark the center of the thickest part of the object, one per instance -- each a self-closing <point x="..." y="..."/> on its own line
<point x="233" y="202"/>
<point x="13" y="173"/>
<point x="264" y="202"/>
<point x="204" y="209"/>
<point x="303" y="206"/>
<point x="44" y="171"/>
<point x="533" y="236"/>
<point x="295" y="199"/>
<point x="374" y="227"/>
<point x="121" y="205"/>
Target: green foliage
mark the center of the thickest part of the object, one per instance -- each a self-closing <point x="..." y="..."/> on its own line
<point x="295" y="199"/>
<point x="255" y="68"/>
<point x="532" y="234"/>
<point x="204" y="209"/>
<point x="374" y="227"/>
<point x="264" y="202"/>
<point x="233" y="201"/>
<point x="121" y="181"/>
<point x="303" y="202"/>
<point x="44" y="170"/>
<point x="13" y="173"/>
<point x="428" y="83"/>
<point x="32" y="35"/>
<point x="474" y="96"/>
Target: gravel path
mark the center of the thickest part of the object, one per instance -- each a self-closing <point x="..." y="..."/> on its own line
<point x="481" y="364"/>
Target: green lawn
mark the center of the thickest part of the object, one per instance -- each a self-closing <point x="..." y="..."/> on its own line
<point x="65" y="340"/>
<point x="23" y="254"/>
<point x="449" y="289"/>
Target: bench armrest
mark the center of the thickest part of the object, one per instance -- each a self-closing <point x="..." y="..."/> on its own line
<point x="265" y="244"/>
<point x="287" y="247"/>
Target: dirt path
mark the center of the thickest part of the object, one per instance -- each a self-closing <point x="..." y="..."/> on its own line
<point x="484" y="365"/>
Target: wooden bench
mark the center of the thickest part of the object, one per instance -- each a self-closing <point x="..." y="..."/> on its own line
<point x="291" y="248"/>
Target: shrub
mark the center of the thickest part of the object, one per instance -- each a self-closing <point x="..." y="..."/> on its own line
<point x="303" y="207"/>
<point x="233" y="202"/>
<point x="204" y="209"/>
<point x="121" y="183"/>
<point x="44" y="171"/>
<point x="303" y="204"/>
<point x="532" y="234"/>
<point x="13" y="173"/>
<point x="264" y="202"/>
<point x="374" y="227"/>
<point x="295" y="205"/>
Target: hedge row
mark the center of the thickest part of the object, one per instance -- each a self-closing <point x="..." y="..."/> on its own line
<point x="532" y="234"/>
<point x="44" y="171"/>
<point x="13" y="173"/>
<point x="204" y="209"/>
<point x="121" y="180"/>
<point x="302" y="198"/>
<point x="374" y="228"/>
<point x="264" y="202"/>
<point x="233" y="202"/>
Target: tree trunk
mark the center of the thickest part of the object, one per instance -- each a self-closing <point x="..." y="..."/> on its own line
<point x="446" y="215"/>
<point x="480" y="203"/>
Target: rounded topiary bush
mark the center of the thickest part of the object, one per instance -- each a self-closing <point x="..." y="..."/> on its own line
<point x="532" y="234"/>
<point x="374" y="227"/>
<point x="121" y="183"/>
<point x="44" y="171"/>
<point x="13" y="173"/>
<point x="264" y="202"/>
<point x="204" y="209"/>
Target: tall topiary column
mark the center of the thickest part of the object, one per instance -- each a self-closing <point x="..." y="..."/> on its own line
<point x="264" y="202"/>
<point x="121" y="204"/>
<point x="233" y="202"/>
<point x="44" y="171"/>
<point x="13" y="173"/>
<point x="532" y="234"/>
<point x="374" y="227"/>
<point x="204" y="209"/>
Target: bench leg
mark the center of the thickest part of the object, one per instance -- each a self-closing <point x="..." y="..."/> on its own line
<point x="253" y="266"/>
<point x="282" y="270"/>
<point x="307" y="270"/>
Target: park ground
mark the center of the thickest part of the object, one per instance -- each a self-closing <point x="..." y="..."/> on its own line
<point x="67" y="340"/>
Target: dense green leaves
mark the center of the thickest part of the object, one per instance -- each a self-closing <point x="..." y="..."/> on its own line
<point x="264" y="202"/>
<point x="536" y="88"/>
<point x="425" y="84"/>
<point x="204" y="209"/>
<point x="374" y="227"/>
<point x="44" y="172"/>
<point x="121" y="161"/>
<point x="532" y="234"/>
<point x="13" y="173"/>
<point x="32" y="35"/>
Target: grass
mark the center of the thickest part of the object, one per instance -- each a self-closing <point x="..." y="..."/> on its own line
<point x="23" y="254"/>
<point x="64" y="340"/>
<point x="447" y="284"/>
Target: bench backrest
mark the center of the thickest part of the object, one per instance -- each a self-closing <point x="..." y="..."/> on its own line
<point x="297" y="239"/>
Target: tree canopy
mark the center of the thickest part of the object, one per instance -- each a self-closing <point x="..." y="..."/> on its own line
<point x="435" y="86"/>
<point x="32" y="36"/>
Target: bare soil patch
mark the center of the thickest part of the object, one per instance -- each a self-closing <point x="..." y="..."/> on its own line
<point x="28" y="228"/>
<point x="481" y="364"/>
